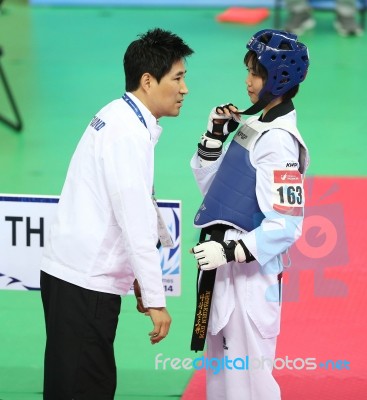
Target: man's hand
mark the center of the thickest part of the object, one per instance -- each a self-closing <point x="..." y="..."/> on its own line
<point x="139" y="302"/>
<point x="211" y="254"/>
<point x="159" y="316"/>
<point x="161" y="322"/>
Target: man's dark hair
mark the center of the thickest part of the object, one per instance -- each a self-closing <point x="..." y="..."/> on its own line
<point x="154" y="52"/>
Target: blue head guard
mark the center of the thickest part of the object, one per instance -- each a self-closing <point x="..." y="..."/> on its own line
<point x="285" y="59"/>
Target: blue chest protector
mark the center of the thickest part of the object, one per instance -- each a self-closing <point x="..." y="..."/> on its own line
<point x="231" y="198"/>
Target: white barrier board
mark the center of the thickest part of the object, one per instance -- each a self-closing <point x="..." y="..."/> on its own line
<point x="24" y="222"/>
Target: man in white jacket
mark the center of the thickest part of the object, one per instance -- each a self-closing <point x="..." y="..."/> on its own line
<point x="104" y="236"/>
<point x="252" y="213"/>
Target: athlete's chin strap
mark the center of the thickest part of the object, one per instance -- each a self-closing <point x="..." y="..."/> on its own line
<point x="260" y="105"/>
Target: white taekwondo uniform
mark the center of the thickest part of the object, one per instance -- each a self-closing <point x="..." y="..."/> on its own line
<point x="245" y="312"/>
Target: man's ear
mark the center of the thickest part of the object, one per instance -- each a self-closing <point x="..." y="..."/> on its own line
<point x="145" y="81"/>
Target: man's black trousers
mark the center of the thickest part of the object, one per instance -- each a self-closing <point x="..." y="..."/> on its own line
<point x="80" y="326"/>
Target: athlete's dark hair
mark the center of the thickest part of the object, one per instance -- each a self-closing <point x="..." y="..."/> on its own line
<point x="260" y="70"/>
<point x="154" y="52"/>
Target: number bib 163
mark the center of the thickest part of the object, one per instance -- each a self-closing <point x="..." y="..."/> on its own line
<point x="288" y="195"/>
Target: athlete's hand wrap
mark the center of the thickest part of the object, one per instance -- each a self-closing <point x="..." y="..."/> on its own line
<point x="220" y="125"/>
<point x="211" y="254"/>
<point x="218" y="130"/>
<point x="209" y="149"/>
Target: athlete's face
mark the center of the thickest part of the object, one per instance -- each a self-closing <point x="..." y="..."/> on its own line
<point x="166" y="97"/>
<point x="254" y="83"/>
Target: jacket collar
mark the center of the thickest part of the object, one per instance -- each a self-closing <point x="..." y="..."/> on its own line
<point x="278" y="111"/>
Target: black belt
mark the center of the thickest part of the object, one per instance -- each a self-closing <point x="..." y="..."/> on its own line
<point x="205" y="289"/>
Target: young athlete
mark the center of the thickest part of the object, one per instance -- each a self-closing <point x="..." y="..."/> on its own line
<point x="251" y="214"/>
<point x="105" y="232"/>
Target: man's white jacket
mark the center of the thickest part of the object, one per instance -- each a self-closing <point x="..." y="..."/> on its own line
<point x="105" y="231"/>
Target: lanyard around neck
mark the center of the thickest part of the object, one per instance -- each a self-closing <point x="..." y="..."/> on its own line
<point x="135" y="108"/>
